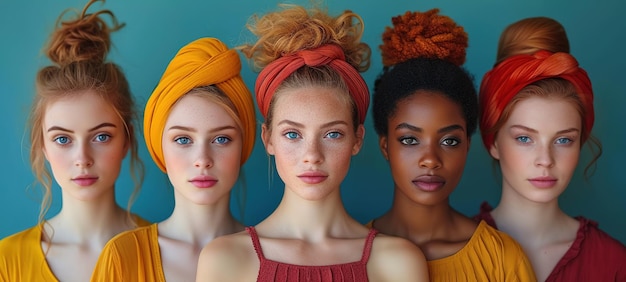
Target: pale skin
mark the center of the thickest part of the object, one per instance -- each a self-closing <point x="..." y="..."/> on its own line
<point x="312" y="138"/>
<point x="202" y="150"/>
<point x="426" y="146"/>
<point x="538" y="159"/>
<point x="84" y="143"/>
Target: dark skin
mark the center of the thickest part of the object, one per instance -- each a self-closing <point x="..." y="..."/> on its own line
<point x="426" y="146"/>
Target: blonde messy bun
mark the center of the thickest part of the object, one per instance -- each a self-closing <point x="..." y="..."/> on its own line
<point x="86" y="38"/>
<point x="294" y="28"/>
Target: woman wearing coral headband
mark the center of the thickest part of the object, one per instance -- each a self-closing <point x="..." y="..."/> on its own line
<point x="536" y="114"/>
<point x="314" y="102"/>
<point x="200" y="129"/>
<point x="425" y="112"/>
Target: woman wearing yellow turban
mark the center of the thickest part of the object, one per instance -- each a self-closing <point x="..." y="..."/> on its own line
<point x="199" y="127"/>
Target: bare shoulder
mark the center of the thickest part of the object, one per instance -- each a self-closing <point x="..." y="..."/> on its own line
<point x="228" y="258"/>
<point x="396" y="259"/>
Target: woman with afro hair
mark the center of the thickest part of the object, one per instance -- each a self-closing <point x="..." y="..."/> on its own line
<point x="425" y="112"/>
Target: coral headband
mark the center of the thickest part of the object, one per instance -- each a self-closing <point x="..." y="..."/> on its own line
<point x="272" y="76"/>
<point x="203" y="62"/>
<point x="510" y="76"/>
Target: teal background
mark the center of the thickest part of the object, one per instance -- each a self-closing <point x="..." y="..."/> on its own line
<point x="156" y="29"/>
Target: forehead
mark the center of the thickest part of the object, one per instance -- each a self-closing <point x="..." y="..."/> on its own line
<point x="313" y="102"/>
<point x="540" y="112"/>
<point x="199" y="111"/>
<point x="430" y="106"/>
<point x="83" y="108"/>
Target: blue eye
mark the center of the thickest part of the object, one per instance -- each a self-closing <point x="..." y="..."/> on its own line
<point x="563" y="140"/>
<point x="523" y="139"/>
<point x="222" y="140"/>
<point x="183" y="140"/>
<point x="62" y="140"/>
<point x="450" y="142"/>
<point x="102" y="137"/>
<point x="291" y="135"/>
<point x="333" y="135"/>
<point x="408" y="141"/>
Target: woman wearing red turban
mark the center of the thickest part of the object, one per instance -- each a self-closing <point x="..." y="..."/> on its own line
<point x="536" y="113"/>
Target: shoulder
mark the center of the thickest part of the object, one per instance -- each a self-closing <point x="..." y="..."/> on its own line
<point x="21" y="240"/>
<point x="592" y="239"/>
<point x="228" y="258"/>
<point x="495" y="240"/>
<point x="396" y="259"/>
<point x="122" y="255"/>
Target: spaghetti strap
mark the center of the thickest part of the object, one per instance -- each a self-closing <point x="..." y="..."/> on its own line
<point x="368" y="245"/>
<point x="255" y="242"/>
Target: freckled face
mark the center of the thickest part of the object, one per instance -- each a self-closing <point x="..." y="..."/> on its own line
<point x="426" y="146"/>
<point x="313" y="139"/>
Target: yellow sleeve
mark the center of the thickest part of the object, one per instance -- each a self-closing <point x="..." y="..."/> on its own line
<point x="518" y="267"/>
<point x="108" y="267"/>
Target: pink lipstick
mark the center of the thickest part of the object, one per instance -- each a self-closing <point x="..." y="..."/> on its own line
<point x="543" y="182"/>
<point x="312" y="177"/>
<point x="85" y="180"/>
<point x="429" y="183"/>
<point x="203" y="181"/>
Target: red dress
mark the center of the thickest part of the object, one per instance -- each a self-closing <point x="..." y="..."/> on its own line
<point x="593" y="256"/>
<point x="270" y="270"/>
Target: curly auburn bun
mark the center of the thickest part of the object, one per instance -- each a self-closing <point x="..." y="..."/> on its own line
<point x="423" y="35"/>
<point x="86" y="38"/>
<point x="294" y="28"/>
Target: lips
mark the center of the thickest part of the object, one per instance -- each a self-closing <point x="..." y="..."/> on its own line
<point x="429" y="183"/>
<point x="85" y="180"/>
<point x="312" y="177"/>
<point x="543" y="182"/>
<point x="203" y="181"/>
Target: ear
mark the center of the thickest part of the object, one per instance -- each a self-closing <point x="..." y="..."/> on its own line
<point x="360" y="136"/>
<point x="265" y="137"/>
<point x="382" y="145"/>
<point x="493" y="151"/>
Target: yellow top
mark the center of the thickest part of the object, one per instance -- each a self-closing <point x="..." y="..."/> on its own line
<point x="489" y="255"/>
<point x="23" y="259"/>
<point x="131" y="256"/>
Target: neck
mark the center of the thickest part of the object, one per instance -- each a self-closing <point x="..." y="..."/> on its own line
<point x="96" y="220"/>
<point x="419" y="223"/>
<point x="522" y="218"/>
<point x="310" y="220"/>
<point x="199" y="224"/>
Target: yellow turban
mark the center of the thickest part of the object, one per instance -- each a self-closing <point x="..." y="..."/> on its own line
<point x="204" y="62"/>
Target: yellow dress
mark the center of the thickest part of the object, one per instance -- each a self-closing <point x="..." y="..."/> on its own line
<point x="131" y="256"/>
<point x="23" y="259"/>
<point x="489" y="255"/>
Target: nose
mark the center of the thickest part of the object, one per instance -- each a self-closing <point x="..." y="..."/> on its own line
<point x="84" y="156"/>
<point x="545" y="156"/>
<point x="204" y="158"/>
<point x="430" y="158"/>
<point x="313" y="153"/>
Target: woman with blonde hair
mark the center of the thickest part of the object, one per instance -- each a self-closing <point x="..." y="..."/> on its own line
<point x="82" y="126"/>
<point x="199" y="126"/>
<point x="314" y="102"/>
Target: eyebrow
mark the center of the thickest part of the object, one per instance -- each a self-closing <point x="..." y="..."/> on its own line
<point x="535" y="131"/>
<point x="106" y="124"/>
<point x="191" y="129"/>
<point x="297" y="124"/>
<point x="446" y="129"/>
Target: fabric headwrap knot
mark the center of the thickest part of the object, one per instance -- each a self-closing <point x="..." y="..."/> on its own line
<point x="510" y="76"/>
<point x="203" y="62"/>
<point x="272" y="76"/>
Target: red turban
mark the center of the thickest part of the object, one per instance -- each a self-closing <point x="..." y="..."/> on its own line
<point x="506" y="79"/>
<point x="330" y="55"/>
